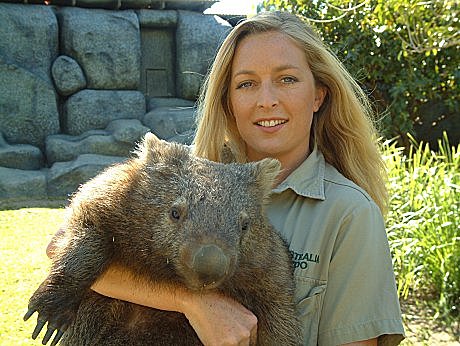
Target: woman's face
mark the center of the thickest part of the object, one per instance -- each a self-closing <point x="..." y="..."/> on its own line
<point x="273" y="97"/>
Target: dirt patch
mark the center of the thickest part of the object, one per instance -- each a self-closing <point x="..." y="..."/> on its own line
<point x="423" y="328"/>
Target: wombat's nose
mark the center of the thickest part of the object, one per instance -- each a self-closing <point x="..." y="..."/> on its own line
<point x="210" y="263"/>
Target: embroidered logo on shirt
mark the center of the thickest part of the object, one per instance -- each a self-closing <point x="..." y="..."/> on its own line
<point x="301" y="260"/>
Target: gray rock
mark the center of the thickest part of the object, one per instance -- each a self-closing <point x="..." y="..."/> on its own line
<point x="106" y="44"/>
<point x="29" y="38"/>
<point x="157" y="19"/>
<point x="28" y="107"/>
<point x="119" y="139"/>
<point x="124" y="4"/>
<point x="20" y="156"/>
<point x="67" y="75"/>
<point x="183" y="138"/>
<point x="168" y="102"/>
<point x="65" y="177"/>
<point x="107" y="4"/>
<point x="167" y="122"/>
<point x="61" y="148"/>
<point x="16" y="183"/>
<point x="127" y="131"/>
<point x="190" y="5"/>
<point x="197" y="39"/>
<point x="95" y="109"/>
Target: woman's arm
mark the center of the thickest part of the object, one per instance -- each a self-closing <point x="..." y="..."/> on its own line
<point x="216" y="319"/>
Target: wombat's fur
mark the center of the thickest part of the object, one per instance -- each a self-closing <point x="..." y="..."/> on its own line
<point x="169" y="216"/>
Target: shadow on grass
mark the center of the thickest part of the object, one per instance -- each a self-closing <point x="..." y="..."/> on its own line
<point x="19" y="203"/>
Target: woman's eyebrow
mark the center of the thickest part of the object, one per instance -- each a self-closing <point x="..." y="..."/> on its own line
<point x="243" y="72"/>
<point x="277" y="69"/>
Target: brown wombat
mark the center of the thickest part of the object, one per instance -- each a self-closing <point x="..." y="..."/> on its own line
<point x="168" y="216"/>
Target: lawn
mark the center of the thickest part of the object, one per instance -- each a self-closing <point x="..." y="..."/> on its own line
<point x="25" y="234"/>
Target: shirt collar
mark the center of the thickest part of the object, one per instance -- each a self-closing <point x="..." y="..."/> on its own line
<point x="307" y="180"/>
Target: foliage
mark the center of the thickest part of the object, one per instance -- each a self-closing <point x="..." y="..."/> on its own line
<point x="424" y="222"/>
<point x="405" y="53"/>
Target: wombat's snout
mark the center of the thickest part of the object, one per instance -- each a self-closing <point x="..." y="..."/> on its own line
<point x="210" y="264"/>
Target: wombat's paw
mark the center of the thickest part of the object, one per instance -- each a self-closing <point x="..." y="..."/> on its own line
<point x="58" y="311"/>
<point x="49" y="332"/>
<point x="41" y="321"/>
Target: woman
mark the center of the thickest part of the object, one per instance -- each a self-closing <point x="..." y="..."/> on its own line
<point x="275" y="90"/>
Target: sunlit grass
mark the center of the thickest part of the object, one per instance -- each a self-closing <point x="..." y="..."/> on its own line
<point x="424" y="223"/>
<point x="24" y="234"/>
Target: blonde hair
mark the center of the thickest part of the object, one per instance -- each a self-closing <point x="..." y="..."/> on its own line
<point x="343" y="127"/>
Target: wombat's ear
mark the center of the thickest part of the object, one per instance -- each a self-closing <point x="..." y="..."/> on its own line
<point x="150" y="147"/>
<point x="266" y="172"/>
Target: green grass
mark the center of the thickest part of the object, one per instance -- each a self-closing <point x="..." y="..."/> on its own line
<point x="24" y="234"/>
<point x="424" y="224"/>
<point x="423" y="229"/>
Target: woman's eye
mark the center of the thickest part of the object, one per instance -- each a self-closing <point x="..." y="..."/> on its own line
<point x="289" y="80"/>
<point x="244" y="85"/>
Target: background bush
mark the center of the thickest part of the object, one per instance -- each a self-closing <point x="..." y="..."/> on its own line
<point x="405" y="54"/>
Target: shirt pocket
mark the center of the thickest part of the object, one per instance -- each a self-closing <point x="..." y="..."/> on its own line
<point x="309" y="296"/>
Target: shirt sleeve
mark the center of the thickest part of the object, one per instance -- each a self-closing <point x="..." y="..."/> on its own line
<point x="361" y="301"/>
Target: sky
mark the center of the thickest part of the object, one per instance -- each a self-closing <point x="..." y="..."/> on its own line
<point x="234" y="7"/>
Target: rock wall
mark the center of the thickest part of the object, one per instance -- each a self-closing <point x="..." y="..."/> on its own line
<point x="79" y="87"/>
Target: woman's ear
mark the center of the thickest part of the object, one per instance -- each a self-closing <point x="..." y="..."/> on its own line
<point x="320" y="94"/>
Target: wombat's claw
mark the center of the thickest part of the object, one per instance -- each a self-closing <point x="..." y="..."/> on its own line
<point x="57" y="337"/>
<point x="49" y="334"/>
<point x="38" y="328"/>
<point x="29" y="313"/>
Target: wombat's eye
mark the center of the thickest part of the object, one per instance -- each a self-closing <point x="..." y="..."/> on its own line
<point x="174" y="214"/>
<point x="245" y="225"/>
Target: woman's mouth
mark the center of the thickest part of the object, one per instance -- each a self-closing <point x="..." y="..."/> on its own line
<point x="271" y="123"/>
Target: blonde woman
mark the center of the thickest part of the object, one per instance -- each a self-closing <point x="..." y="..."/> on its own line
<point x="275" y="90"/>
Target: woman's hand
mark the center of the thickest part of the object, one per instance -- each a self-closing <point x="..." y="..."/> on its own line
<point x="219" y="320"/>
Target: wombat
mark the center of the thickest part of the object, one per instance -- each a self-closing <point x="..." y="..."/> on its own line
<point x="168" y="216"/>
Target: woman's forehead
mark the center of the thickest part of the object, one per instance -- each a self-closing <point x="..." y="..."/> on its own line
<point x="270" y="49"/>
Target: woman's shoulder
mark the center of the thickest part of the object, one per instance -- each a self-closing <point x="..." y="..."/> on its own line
<point x="342" y="190"/>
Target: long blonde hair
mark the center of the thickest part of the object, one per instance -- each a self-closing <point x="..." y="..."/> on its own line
<point x="343" y="127"/>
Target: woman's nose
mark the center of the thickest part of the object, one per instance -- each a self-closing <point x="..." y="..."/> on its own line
<point x="267" y="97"/>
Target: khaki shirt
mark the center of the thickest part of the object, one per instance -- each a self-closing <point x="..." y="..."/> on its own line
<point x="345" y="285"/>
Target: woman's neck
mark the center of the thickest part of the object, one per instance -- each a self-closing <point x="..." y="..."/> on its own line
<point x="289" y="162"/>
<point x="287" y="167"/>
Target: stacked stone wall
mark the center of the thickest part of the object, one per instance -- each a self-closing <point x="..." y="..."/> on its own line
<point x="80" y="86"/>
